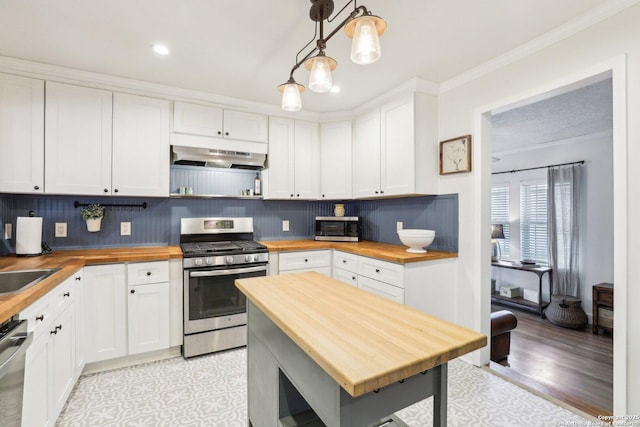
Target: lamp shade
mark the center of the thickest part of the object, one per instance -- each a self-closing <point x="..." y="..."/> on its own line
<point x="291" y="100"/>
<point x="497" y="231"/>
<point x="366" y="31"/>
<point x="320" y="67"/>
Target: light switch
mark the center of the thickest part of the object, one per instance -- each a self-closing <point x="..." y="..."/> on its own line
<point x="285" y="225"/>
<point x="61" y="229"/>
<point x="399" y="226"/>
<point x="7" y="231"/>
<point x="125" y="229"/>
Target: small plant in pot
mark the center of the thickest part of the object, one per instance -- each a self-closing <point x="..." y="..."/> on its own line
<point x="93" y="214"/>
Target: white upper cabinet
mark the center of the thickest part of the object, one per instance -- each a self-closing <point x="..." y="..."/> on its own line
<point x="21" y="134"/>
<point x="406" y="161"/>
<point x="335" y="160"/>
<point x="78" y="140"/>
<point x="307" y="160"/>
<point x="204" y="120"/>
<point x="366" y="155"/>
<point x="293" y="167"/>
<point x="140" y="146"/>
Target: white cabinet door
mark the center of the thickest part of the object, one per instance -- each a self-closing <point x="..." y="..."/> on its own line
<point x="335" y="160"/>
<point x="366" y="155"/>
<point x="197" y="119"/>
<point x="37" y="408"/>
<point x="279" y="175"/>
<point x="148" y="310"/>
<point x="78" y="140"/>
<point x="307" y="161"/>
<point x="105" y="302"/>
<point x="140" y="146"/>
<point x="381" y="288"/>
<point x="63" y="366"/>
<point x="345" y="276"/>
<point x="21" y="134"/>
<point x="398" y="163"/>
<point x="78" y="290"/>
<point x="245" y="126"/>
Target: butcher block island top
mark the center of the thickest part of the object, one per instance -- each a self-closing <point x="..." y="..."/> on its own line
<point x="384" y="251"/>
<point x="363" y="341"/>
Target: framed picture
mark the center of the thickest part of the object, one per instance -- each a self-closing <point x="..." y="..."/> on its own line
<point x="455" y="155"/>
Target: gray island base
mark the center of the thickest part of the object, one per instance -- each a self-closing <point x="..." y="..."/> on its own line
<point x="288" y="388"/>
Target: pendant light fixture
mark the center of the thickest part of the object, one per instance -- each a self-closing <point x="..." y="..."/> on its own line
<point x="360" y="25"/>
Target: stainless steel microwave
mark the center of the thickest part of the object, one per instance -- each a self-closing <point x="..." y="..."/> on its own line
<point x="338" y="228"/>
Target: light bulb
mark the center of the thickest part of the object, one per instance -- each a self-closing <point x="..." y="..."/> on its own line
<point x="365" y="48"/>
<point x="320" y="78"/>
<point x="291" y="100"/>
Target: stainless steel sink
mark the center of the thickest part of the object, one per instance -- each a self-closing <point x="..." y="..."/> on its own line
<point x="16" y="281"/>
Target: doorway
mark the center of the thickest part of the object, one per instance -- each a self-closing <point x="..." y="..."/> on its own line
<point x="615" y="71"/>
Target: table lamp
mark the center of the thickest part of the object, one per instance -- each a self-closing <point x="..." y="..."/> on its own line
<point x="496" y="233"/>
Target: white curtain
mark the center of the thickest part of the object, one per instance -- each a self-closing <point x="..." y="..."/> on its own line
<point x="563" y="192"/>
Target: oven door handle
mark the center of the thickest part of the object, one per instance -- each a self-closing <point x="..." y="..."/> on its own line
<point x="227" y="271"/>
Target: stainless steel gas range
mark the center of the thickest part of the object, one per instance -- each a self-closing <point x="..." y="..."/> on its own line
<point x="216" y="252"/>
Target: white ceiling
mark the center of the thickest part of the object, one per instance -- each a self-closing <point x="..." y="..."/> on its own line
<point x="245" y="48"/>
<point x="564" y="118"/>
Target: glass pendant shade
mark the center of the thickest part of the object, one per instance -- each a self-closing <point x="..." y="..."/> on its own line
<point x="365" y="48"/>
<point x="291" y="100"/>
<point x="320" y="78"/>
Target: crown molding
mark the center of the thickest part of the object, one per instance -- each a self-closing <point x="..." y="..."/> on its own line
<point x="598" y="14"/>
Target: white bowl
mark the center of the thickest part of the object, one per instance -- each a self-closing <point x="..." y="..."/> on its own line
<point x="416" y="239"/>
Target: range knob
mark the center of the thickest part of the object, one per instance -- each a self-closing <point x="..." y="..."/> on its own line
<point x="229" y="260"/>
<point x="198" y="261"/>
<point x="249" y="258"/>
<point x="209" y="261"/>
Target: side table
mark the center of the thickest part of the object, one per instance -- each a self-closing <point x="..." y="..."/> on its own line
<point x="602" y="307"/>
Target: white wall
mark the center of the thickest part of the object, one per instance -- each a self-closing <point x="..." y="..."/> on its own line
<point x="567" y="60"/>
<point x="596" y="237"/>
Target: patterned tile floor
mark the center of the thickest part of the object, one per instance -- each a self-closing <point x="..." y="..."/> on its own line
<point x="211" y="391"/>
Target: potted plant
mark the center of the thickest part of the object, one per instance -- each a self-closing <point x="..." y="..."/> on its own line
<point x="93" y="214"/>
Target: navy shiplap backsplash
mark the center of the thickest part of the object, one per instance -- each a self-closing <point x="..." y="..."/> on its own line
<point x="159" y="223"/>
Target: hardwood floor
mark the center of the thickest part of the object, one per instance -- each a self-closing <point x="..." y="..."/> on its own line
<point x="573" y="366"/>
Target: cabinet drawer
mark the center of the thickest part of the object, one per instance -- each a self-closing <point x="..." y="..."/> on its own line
<point x="345" y="276"/>
<point x="39" y="315"/>
<point x="385" y="290"/>
<point x="605" y="298"/>
<point x="345" y="261"/>
<point x="322" y="270"/>
<point x="381" y="270"/>
<point x="304" y="260"/>
<point x="142" y="273"/>
<point x="62" y="296"/>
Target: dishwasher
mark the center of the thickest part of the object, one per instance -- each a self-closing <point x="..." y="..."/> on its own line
<point x="14" y="341"/>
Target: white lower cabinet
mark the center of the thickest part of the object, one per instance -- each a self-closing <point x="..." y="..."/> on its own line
<point x="381" y="278"/>
<point x="51" y="360"/>
<point x="345" y="267"/>
<point x="301" y="261"/>
<point x="105" y="308"/>
<point x="383" y="289"/>
<point x="127" y="309"/>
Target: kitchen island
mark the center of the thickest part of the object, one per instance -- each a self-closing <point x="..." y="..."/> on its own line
<point x="318" y="348"/>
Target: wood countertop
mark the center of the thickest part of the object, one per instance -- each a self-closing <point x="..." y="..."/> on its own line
<point x="69" y="262"/>
<point x="383" y="251"/>
<point x="363" y="341"/>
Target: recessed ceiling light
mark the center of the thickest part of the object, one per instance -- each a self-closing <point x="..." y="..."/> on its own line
<point x="160" y="49"/>
<point x="335" y="89"/>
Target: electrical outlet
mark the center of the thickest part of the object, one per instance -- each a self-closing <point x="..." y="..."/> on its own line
<point x="399" y="226"/>
<point x="125" y="229"/>
<point x="8" y="228"/>
<point x="61" y="229"/>
<point x="285" y="225"/>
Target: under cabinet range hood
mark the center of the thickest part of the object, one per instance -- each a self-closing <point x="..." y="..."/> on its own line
<point x="198" y="156"/>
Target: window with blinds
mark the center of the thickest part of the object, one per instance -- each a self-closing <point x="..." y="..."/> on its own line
<point x="533" y="222"/>
<point x="500" y="214"/>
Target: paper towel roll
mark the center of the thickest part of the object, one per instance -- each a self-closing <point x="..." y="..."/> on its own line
<point x="29" y="235"/>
